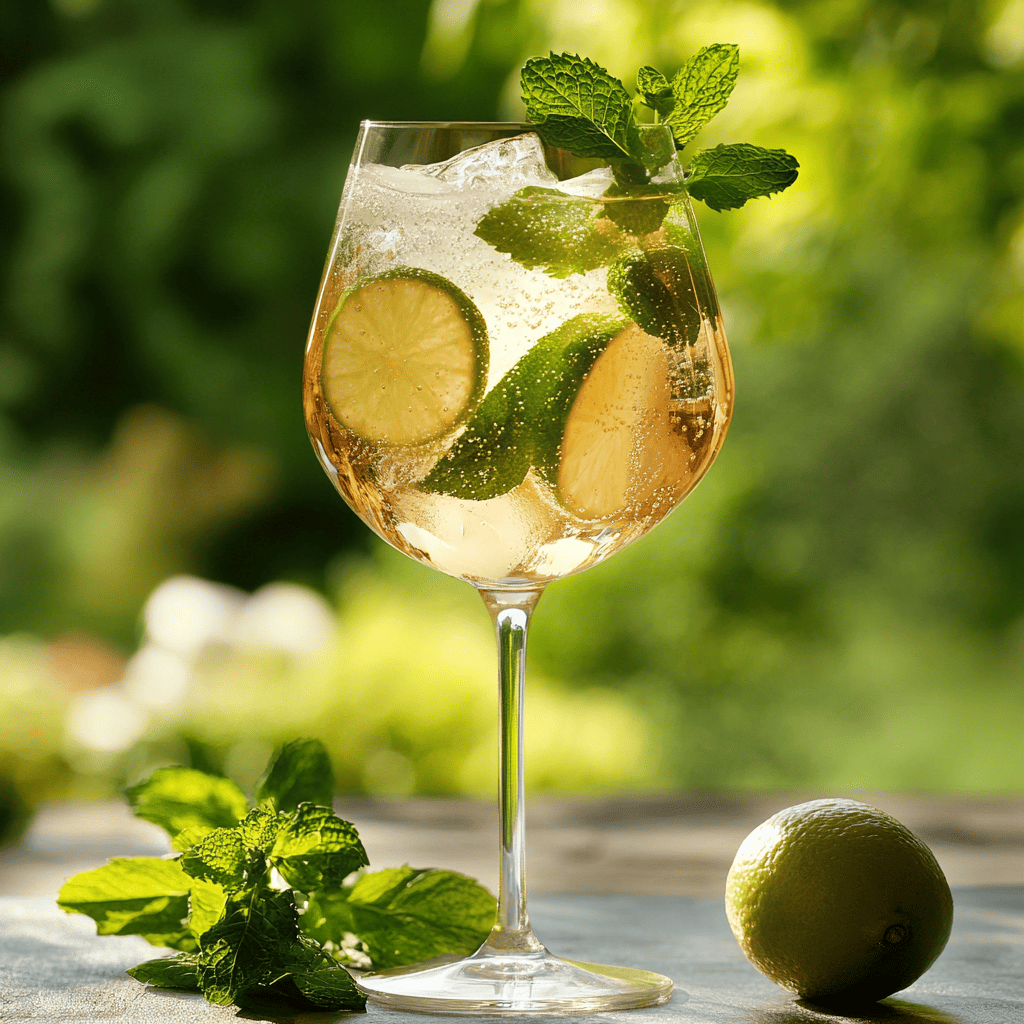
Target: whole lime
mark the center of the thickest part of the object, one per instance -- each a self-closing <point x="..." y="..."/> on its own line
<point x="838" y="901"/>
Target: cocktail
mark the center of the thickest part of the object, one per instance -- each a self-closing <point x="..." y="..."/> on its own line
<point x="516" y="367"/>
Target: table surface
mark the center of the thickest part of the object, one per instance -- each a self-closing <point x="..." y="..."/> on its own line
<point x="630" y="881"/>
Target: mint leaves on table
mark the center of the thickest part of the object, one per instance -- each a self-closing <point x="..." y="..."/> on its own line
<point x="264" y="903"/>
<point x="404" y="914"/>
<point x="577" y="105"/>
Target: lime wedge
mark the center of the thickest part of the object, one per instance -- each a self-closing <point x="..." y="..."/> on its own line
<point x="405" y="358"/>
<point x="618" y="443"/>
<point x="655" y="287"/>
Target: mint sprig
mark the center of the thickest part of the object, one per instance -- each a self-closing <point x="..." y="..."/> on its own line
<point x="577" y="105"/>
<point x="242" y="937"/>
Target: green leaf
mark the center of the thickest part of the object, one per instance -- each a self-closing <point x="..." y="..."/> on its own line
<point x="221" y="857"/>
<point x="183" y="798"/>
<point x="260" y="828"/>
<point x="701" y="88"/>
<point x="655" y="288"/>
<point x="406" y="915"/>
<point x="317" y="850"/>
<point x="655" y="90"/>
<point x="330" y="987"/>
<point x="242" y="950"/>
<point x="299" y="772"/>
<point x="311" y="977"/>
<point x="133" y="896"/>
<point x="578" y="106"/>
<point x="206" y="902"/>
<point x="541" y="228"/>
<point x="520" y="422"/>
<point x="180" y="971"/>
<point x="727" y="176"/>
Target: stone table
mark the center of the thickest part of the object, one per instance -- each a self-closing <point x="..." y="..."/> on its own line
<point x="636" y="882"/>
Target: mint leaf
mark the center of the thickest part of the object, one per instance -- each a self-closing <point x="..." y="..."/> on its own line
<point x="143" y="896"/>
<point x="206" y="902"/>
<point x="655" y="90"/>
<point x="184" y="798"/>
<point x="180" y="971"/>
<point x="317" y="850"/>
<point x="520" y="422"/>
<point x="727" y="176"/>
<point x="701" y="88"/>
<point x="260" y="828"/>
<point x="310" y="976"/>
<point x="655" y="288"/>
<point x="493" y="453"/>
<point x="241" y="951"/>
<point x="578" y="106"/>
<point x="221" y="858"/>
<point x="405" y="915"/>
<point x="545" y="229"/>
<point x="299" y="772"/>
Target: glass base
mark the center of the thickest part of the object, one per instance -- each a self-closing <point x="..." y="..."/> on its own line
<point x="491" y="983"/>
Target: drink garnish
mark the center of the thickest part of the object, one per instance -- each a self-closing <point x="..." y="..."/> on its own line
<point x="405" y="358"/>
<point x="655" y="287"/>
<point x="577" y="105"/>
<point x="520" y="422"/>
<point x="588" y="408"/>
<point x="265" y="906"/>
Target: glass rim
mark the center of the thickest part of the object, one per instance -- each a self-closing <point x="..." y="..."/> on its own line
<point x="478" y="125"/>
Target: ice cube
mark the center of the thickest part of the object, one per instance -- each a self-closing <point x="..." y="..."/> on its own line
<point x="591" y="185"/>
<point x="397" y="179"/>
<point x="514" y="162"/>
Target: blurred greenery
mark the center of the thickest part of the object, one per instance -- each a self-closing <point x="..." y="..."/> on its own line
<point x="840" y="604"/>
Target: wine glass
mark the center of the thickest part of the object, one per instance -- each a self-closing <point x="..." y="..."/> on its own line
<point x="516" y="366"/>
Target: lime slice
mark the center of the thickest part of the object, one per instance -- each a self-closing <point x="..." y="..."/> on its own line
<point x="655" y="287"/>
<point x="405" y="358"/>
<point x="618" y="443"/>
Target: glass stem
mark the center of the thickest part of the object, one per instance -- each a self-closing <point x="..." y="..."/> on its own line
<point x="511" y="612"/>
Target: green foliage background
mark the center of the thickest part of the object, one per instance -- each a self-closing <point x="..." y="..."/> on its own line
<point x="840" y="604"/>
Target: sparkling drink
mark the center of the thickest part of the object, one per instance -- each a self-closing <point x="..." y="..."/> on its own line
<point x="631" y="426"/>
<point x="516" y="366"/>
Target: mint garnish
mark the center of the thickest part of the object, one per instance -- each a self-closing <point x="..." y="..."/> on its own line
<point x="521" y="421"/>
<point x="701" y="89"/>
<point x="243" y="938"/>
<point x="545" y="229"/>
<point x="727" y="176"/>
<point x="655" y="90"/>
<point x="579" y="106"/>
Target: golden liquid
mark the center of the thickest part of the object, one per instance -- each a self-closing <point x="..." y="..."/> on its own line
<point x="532" y="534"/>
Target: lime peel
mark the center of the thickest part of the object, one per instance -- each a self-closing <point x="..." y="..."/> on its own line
<point x="838" y="901"/>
